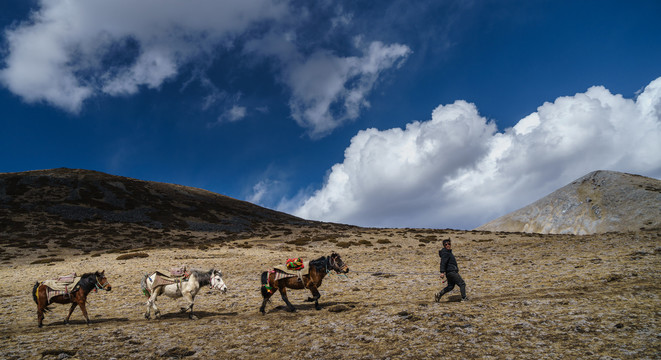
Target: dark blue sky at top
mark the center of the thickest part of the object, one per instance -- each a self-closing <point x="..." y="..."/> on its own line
<point x="506" y="57"/>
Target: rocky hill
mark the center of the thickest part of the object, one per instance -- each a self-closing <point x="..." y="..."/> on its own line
<point x="599" y="202"/>
<point x="74" y="208"/>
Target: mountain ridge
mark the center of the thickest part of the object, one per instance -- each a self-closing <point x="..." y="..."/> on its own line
<point x="61" y="204"/>
<point x="598" y="202"/>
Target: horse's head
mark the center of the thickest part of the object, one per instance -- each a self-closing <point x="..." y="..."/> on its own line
<point x="216" y="281"/>
<point x="337" y="264"/>
<point x="101" y="281"/>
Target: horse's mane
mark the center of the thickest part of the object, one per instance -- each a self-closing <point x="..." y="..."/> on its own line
<point x="203" y="277"/>
<point x="320" y="263"/>
<point x="87" y="275"/>
<point x="85" y="281"/>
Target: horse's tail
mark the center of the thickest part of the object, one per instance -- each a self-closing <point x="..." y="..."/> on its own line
<point x="266" y="289"/>
<point x="144" y="287"/>
<point x="34" y="293"/>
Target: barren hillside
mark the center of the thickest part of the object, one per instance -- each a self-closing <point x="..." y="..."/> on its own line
<point x="599" y="202"/>
<point x="87" y="209"/>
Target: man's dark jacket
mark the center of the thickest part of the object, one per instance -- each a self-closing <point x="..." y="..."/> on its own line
<point x="448" y="262"/>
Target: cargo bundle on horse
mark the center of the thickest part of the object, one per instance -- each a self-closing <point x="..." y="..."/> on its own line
<point x="178" y="284"/>
<point x="67" y="289"/>
<point x="308" y="277"/>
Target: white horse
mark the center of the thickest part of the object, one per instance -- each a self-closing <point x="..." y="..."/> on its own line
<point x="186" y="289"/>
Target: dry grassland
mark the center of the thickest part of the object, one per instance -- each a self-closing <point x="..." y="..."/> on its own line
<point x="531" y="297"/>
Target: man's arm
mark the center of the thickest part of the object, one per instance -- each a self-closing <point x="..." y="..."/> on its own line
<point x="444" y="262"/>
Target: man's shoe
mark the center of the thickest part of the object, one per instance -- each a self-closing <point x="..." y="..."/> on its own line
<point x="437" y="296"/>
<point x="464" y="299"/>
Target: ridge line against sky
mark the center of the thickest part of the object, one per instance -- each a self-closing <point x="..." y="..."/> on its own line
<point x="398" y="114"/>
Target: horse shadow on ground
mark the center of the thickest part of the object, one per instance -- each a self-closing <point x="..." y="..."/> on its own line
<point x="199" y="314"/>
<point x="92" y="321"/>
<point x="310" y="306"/>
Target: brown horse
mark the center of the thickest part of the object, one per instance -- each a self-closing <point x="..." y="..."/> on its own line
<point x="318" y="270"/>
<point x="77" y="297"/>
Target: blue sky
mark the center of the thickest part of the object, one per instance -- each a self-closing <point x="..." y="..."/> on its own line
<point x="437" y="114"/>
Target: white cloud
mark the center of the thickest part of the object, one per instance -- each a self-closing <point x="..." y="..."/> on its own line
<point x="325" y="80"/>
<point x="328" y="89"/>
<point x="70" y="51"/>
<point x="259" y="190"/>
<point x="61" y="55"/>
<point x="236" y="113"/>
<point x="456" y="170"/>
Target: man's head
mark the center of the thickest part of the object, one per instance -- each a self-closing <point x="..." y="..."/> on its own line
<point x="447" y="243"/>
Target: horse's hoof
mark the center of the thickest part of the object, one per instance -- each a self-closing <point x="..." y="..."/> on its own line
<point x="40" y="325"/>
<point x="147" y="316"/>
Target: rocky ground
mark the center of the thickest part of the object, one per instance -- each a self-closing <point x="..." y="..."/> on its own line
<point x="531" y="297"/>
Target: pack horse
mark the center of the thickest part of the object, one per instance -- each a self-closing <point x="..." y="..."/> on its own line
<point x="68" y="289"/>
<point x="186" y="286"/>
<point x="280" y="280"/>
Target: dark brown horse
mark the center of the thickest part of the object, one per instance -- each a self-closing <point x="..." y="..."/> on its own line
<point x="318" y="270"/>
<point x="77" y="296"/>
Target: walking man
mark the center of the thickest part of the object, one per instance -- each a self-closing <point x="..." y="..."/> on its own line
<point x="450" y="271"/>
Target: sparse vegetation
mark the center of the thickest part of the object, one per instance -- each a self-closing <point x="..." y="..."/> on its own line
<point x="132" y="256"/>
<point x="47" y="261"/>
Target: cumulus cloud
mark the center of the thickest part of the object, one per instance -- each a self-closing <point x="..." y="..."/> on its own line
<point x="456" y="169"/>
<point x="69" y="51"/>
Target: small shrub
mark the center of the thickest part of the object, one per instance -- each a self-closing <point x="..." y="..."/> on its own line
<point x="365" y="242"/>
<point x="344" y="244"/>
<point x="300" y="241"/>
<point x="383" y="241"/>
<point x="46" y="261"/>
<point x="428" y="239"/>
<point x="132" y="255"/>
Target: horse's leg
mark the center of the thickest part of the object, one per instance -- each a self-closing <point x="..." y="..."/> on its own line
<point x="150" y="301"/>
<point x="315" y="296"/>
<point x="190" y="299"/>
<point x="73" y="306"/>
<point x="283" y="293"/>
<point x="152" y="304"/>
<point x="266" y="292"/>
<point x="265" y="299"/>
<point x="40" y="314"/>
<point x="40" y="299"/>
<point x="84" y="310"/>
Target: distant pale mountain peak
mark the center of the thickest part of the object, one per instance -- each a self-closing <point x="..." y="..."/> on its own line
<point x="599" y="202"/>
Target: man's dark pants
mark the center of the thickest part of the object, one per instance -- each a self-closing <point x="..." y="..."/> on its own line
<point x="454" y="279"/>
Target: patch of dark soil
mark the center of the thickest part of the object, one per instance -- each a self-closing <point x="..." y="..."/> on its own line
<point x="178" y="353"/>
